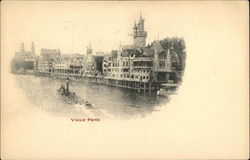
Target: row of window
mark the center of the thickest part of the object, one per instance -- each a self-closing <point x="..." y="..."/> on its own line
<point x="162" y="64"/>
<point x="126" y="70"/>
<point x="131" y="76"/>
<point x="116" y="64"/>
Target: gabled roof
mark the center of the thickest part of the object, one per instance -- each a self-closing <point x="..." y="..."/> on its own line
<point x="158" y="46"/>
<point x="114" y="53"/>
<point x="128" y="52"/>
<point x="148" y="52"/>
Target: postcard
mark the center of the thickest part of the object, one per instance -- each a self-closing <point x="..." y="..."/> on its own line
<point x="124" y="80"/>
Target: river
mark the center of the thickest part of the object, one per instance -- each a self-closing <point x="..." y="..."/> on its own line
<point x="109" y="102"/>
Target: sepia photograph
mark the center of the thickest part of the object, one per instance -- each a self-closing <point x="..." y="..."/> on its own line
<point x="124" y="80"/>
<point x="131" y="79"/>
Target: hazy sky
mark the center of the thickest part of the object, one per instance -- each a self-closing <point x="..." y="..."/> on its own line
<point x="70" y="26"/>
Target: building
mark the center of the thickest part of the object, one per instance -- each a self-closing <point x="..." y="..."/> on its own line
<point x="165" y="63"/>
<point x="137" y="66"/>
<point x="47" y="59"/>
<point x="24" y="60"/>
<point x="106" y="65"/>
<point x="139" y="34"/>
<point x="69" y="64"/>
<point x="23" y="55"/>
<point x="89" y="62"/>
<point x="50" y="54"/>
<point x="139" y="63"/>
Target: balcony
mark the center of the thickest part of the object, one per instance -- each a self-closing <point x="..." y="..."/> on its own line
<point x="143" y="67"/>
<point x="145" y="59"/>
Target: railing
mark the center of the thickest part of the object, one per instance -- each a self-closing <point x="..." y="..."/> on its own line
<point x="144" y="67"/>
<point x="148" y="59"/>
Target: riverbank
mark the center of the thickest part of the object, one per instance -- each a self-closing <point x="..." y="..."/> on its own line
<point x="140" y="87"/>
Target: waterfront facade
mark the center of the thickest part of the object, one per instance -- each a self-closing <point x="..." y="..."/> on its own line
<point x="48" y="57"/>
<point x="136" y="66"/>
<point x="69" y="64"/>
<point x="139" y="63"/>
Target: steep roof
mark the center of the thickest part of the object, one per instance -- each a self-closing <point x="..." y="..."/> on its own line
<point x="128" y="52"/>
<point x="148" y="52"/>
<point x="158" y="46"/>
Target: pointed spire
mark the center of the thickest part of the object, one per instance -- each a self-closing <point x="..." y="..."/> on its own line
<point x="141" y="20"/>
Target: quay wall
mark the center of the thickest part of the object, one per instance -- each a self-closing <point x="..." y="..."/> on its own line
<point x="141" y="87"/>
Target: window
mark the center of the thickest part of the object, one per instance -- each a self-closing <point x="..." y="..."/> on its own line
<point x="162" y="64"/>
<point x="162" y="55"/>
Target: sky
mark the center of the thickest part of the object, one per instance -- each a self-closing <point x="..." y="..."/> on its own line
<point x="72" y="26"/>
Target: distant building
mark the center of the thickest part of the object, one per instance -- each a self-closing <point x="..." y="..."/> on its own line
<point x="50" y="54"/>
<point x="47" y="59"/>
<point x="23" y="55"/>
<point x="24" y="60"/>
<point x="89" y="62"/>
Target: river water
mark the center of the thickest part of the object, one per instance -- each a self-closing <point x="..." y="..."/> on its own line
<point x="109" y="102"/>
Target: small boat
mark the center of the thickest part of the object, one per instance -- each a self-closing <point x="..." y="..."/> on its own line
<point x="167" y="89"/>
<point x="71" y="97"/>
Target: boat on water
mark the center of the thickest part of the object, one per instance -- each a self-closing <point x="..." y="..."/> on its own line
<point x="167" y="89"/>
<point x="71" y="97"/>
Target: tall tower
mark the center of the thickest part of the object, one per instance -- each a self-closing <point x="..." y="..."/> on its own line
<point x="22" y="47"/>
<point x="89" y="50"/>
<point x="32" y="48"/>
<point x="139" y="34"/>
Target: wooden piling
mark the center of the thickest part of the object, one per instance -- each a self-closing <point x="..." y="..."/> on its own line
<point x="144" y="87"/>
<point x="149" y="88"/>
